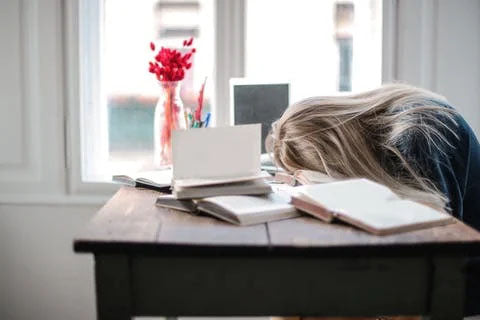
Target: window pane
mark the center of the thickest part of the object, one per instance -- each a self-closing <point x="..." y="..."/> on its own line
<point x="129" y="91"/>
<point x="321" y="47"/>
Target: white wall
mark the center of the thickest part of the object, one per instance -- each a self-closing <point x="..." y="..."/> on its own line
<point x="40" y="276"/>
<point x="438" y="48"/>
<point x="458" y="60"/>
<point x="436" y="45"/>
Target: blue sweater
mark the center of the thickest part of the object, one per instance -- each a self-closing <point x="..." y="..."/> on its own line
<point x="456" y="172"/>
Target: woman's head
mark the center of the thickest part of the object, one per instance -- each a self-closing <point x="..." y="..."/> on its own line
<point x="364" y="135"/>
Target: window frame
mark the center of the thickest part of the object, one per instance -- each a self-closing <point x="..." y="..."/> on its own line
<point x="229" y="42"/>
<point x="76" y="110"/>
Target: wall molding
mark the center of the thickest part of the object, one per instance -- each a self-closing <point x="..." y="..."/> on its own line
<point x="40" y="67"/>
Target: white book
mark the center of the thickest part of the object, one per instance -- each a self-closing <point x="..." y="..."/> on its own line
<point x="217" y="161"/>
<point x="250" y="187"/>
<point x="197" y="182"/>
<point x="216" y="153"/>
<point x="366" y="205"/>
<point x="248" y="210"/>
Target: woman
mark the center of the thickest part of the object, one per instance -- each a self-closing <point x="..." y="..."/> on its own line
<point x="406" y="138"/>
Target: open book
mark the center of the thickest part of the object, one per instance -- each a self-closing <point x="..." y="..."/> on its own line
<point x="366" y="205"/>
<point x="241" y="210"/>
<point x="302" y="177"/>
<point x="217" y="161"/>
<point x="159" y="180"/>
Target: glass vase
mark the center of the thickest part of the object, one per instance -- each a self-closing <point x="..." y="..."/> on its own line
<point x="168" y="116"/>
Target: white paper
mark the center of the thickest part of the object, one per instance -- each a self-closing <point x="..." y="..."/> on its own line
<point x="394" y="214"/>
<point x="348" y="195"/>
<point x="216" y="153"/>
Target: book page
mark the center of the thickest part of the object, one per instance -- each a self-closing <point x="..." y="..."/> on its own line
<point x="370" y="205"/>
<point x="223" y="152"/>
<point x="247" y="205"/>
<point x="347" y="195"/>
<point x="395" y="214"/>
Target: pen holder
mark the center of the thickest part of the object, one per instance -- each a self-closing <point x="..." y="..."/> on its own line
<point x="168" y="117"/>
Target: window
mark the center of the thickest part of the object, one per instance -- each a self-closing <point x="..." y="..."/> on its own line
<point x="321" y="47"/>
<point x="119" y="93"/>
<point x="344" y="15"/>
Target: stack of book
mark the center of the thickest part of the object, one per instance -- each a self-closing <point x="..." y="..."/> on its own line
<point x="217" y="172"/>
<point x="241" y="210"/>
<point x="218" y="161"/>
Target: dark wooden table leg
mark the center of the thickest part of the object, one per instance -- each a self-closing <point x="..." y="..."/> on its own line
<point x="448" y="288"/>
<point x="112" y="279"/>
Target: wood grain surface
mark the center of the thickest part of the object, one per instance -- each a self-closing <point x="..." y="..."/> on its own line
<point x="131" y="221"/>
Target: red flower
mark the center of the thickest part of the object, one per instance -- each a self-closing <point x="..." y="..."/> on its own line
<point x="171" y="64"/>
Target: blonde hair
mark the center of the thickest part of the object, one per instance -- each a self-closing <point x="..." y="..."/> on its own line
<point x="366" y="135"/>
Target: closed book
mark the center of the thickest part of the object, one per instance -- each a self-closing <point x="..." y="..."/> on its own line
<point x="250" y="187"/>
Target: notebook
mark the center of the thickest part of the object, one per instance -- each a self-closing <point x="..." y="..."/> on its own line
<point x="366" y="205"/>
<point x="217" y="161"/>
<point x="159" y="180"/>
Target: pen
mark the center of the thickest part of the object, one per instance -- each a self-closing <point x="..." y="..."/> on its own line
<point x="207" y="120"/>
<point x="190" y="117"/>
<point x="185" y="115"/>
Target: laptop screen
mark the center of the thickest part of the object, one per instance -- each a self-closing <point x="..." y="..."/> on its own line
<point x="259" y="103"/>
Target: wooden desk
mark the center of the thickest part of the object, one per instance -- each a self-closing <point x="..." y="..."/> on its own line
<point x="153" y="261"/>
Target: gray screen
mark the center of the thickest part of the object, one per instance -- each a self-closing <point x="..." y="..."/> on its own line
<point x="260" y="103"/>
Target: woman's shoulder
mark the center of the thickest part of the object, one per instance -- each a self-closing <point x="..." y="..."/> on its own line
<point x="458" y="134"/>
<point x="455" y="164"/>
